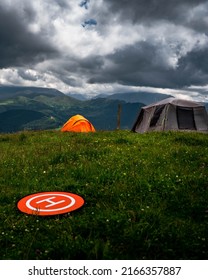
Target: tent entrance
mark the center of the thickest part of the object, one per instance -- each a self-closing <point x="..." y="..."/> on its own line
<point x="185" y="118"/>
<point x="156" y="116"/>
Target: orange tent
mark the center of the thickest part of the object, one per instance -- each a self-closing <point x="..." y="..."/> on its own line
<point x="78" y="123"/>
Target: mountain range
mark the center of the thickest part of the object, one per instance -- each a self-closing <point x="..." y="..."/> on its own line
<point x="35" y="108"/>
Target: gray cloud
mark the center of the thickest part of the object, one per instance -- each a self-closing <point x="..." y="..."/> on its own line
<point x="28" y="75"/>
<point x="66" y="70"/>
<point x="144" y="64"/>
<point x="159" y="44"/>
<point x="63" y="3"/>
<point x="19" y="46"/>
<point x="137" y="11"/>
<point x="192" y="69"/>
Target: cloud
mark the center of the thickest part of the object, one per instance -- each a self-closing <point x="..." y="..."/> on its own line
<point x="28" y="74"/>
<point x="139" y="11"/>
<point x="132" y="44"/>
<point x="19" y="46"/>
<point x="166" y="57"/>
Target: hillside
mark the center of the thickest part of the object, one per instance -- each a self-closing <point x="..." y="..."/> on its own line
<point x="48" y="107"/>
<point x="14" y="120"/>
<point x="142" y="97"/>
<point x="145" y="195"/>
<point x="52" y="109"/>
<point x="103" y="113"/>
<point x="7" y="92"/>
<point x="129" y="97"/>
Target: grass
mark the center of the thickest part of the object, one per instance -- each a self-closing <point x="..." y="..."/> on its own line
<point x="146" y="195"/>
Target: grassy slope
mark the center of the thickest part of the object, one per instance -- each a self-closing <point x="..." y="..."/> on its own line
<point x="146" y="196"/>
<point x="57" y="109"/>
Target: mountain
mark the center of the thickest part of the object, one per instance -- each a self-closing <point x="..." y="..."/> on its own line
<point x="129" y="97"/>
<point x="33" y="108"/>
<point x="30" y="108"/>
<point x="19" y="119"/>
<point x="141" y="97"/>
<point x="78" y="96"/>
<point x="102" y="112"/>
<point x="12" y="91"/>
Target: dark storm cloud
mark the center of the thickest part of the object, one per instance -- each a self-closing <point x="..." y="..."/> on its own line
<point x="134" y="65"/>
<point x="67" y="79"/>
<point x="154" y="43"/>
<point x="135" y="10"/>
<point x="148" y="63"/>
<point x="27" y="75"/>
<point x="19" y="46"/>
<point x="145" y="65"/>
<point x="192" y="69"/>
<point x="86" y="67"/>
<point x="191" y="14"/>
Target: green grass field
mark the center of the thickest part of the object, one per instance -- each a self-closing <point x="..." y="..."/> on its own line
<point x="146" y="195"/>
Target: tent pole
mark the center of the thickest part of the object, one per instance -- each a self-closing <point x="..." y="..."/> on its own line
<point x="119" y="117"/>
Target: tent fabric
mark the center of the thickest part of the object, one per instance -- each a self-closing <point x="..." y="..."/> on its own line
<point x="78" y="123"/>
<point x="172" y="114"/>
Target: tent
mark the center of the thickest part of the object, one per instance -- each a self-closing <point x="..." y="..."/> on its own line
<point x="78" y="123"/>
<point x="172" y="114"/>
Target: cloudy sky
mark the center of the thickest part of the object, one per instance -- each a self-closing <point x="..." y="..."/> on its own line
<point x="106" y="46"/>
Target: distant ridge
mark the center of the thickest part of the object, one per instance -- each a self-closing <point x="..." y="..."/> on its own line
<point x="12" y="91"/>
<point x="141" y="97"/>
<point x="129" y="97"/>
<point x="78" y="96"/>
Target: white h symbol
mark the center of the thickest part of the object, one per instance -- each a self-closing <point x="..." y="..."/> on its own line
<point x="49" y="200"/>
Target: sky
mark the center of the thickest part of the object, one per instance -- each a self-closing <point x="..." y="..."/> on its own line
<point x="93" y="47"/>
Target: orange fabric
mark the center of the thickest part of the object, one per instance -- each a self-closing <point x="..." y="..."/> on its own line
<point x="78" y="123"/>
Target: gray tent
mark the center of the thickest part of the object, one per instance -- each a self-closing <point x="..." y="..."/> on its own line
<point x="172" y="114"/>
